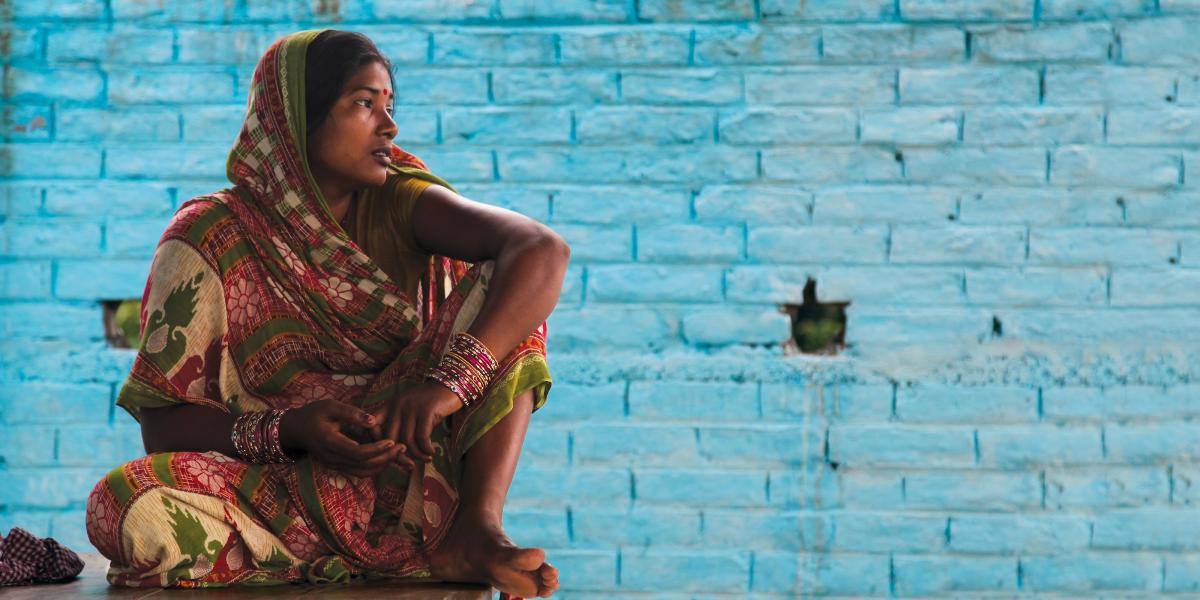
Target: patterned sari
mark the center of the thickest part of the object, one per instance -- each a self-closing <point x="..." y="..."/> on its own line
<point x="257" y="299"/>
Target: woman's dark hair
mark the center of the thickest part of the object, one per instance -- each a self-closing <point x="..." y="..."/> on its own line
<point x="332" y="57"/>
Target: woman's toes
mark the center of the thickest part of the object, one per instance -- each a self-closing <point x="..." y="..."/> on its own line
<point x="527" y="559"/>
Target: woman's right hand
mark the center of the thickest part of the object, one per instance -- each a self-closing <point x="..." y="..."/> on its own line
<point x="318" y="428"/>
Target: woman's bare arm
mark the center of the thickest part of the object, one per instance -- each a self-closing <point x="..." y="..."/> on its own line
<point x="187" y="427"/>
<point x="531" y="261"/>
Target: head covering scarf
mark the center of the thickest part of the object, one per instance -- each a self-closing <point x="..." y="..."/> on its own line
<point x="258" y="299"/>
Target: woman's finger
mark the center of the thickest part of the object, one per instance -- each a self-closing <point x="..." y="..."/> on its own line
<point x="406" y="437"/>
<point x="352" y="451"/>
<point x="424" y="434"/>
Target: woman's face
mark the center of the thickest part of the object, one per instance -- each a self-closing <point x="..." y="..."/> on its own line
<point x="351" y="148"/>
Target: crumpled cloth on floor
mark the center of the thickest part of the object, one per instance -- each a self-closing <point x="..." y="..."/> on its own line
<point x="25" y="559"/>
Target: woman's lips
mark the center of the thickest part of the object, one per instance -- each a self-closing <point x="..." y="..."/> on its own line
<point x="382" y="159"/>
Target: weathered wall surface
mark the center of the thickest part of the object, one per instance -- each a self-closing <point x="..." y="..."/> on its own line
<point x="1004" y="190"/>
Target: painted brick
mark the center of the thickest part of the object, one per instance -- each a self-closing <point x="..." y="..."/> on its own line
<point x="1108" y="486"/>
<point x="708" y="571"/>
<point x="957" y="245"/>
<point x="574" y="486"/>
<point x="958" y="404"/>
<point x="720" y="326"/>
<point x="762" y="530"/>
<point x="533" y="86"/>
<point x="1027" y="534"/>
<point x="586" y="10"/>
<point x="911" y="126"/>
<point x="707" y="488"/>
<point x="1117" y="247"/>
<point x="25" y="280"/>
<point x="1020" y="446"/>
<point x="1094" y="165"/>
<point x="652" y="445"/>
<point x="129" y="124"/>
<point x="1161" y="41"/>
<point x="126" y="279"/>
<point x="808" y="85"/>
<point x="786" y="126"/>
<point x="635" y="328"/>
<point x="864" y="445"/>
<point x="1023" y="166"/>
<point x="891" y="285"/>
<point x="639" y="283"/>
<point x="613" y="166"/>
<point x="585" y="569"/>
<point x="1024" y="126"/>
<point x="1155" y="127"/>
<point x="1156" y="529"/>
<point x="1037" y="286"/>
<point x="505" y="125"/>
<point x="825" y="575"/>
<point x="804" y="489"/>
<point x="855" y="244"/>
<point x="51" y="239"/>
<point x="694" y="86"/>
<point x="595" y="243"/>
<point x="146" y="161"/>
<point x="695" y="10"/>
<point x="606" y="205"/>
<point x="758" y="204"/>
<point x="761" y="444"/>
<point x="1155" y="288"/>
<point x="835" y="10"/>
<point x="122" y="45"/>
<point x="1152" y="443"/>
<point x="483" y="47"/>
<point x="1072" y="9"/>
<point x="830" y="165"/>
<point x="693" y="400"/>
<point x="1180" y="573"/>
<point x="689" y="243"/>
<point x="218" y="123"/>
<point x="637" y="527"/>
<point x="1064" y="207"/>
<point x="928" y="575"/>
<point x="1073" y="42"/>
<point x="64" y="83"/>
<point x="616" y="125"/>
<point x="859" y="44"/>
<point x="160" y="86"/>
<point x="973" y="491"/>
<point x="615" y="46"/>
<point x="1109" y="84"/>
<point x="756" y="44"/>
<point x="966" y="9"/>
<point x="44" y="160"/>
<point x="866" y="532"/>
<point x="969" y="85"/>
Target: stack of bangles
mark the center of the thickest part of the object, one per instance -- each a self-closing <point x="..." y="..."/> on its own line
<point x="256" y="437"/>
<point x="467" y="368"/>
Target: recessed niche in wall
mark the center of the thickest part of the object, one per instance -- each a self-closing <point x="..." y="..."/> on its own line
<point x="817" y="327"/>
<point x="121" y="322"/>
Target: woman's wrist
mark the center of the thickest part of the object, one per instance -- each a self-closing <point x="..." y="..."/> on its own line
<point x="289" y="438"/>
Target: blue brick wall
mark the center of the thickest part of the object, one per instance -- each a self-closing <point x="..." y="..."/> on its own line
<point x="1003" y="190"/>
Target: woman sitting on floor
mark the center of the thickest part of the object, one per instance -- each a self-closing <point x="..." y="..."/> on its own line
<point x="339" y="359"/>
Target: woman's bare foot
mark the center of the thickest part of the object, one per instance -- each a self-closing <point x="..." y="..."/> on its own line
<point x="477" y="550"/>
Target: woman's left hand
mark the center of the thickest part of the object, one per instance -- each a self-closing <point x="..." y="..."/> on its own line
<point x="410" y="417"/>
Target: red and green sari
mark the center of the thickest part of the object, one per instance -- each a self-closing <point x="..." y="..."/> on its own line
<point x="258" y="299"/>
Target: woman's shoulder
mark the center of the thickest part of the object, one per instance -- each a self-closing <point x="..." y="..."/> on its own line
<point x="201" y="221"/>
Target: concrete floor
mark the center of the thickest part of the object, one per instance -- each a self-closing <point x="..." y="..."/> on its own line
<point x="91" y="584"/>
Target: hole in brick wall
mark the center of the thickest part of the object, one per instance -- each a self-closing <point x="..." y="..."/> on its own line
<point x="817" y="327"/>
<point x="997" y="327"/>
<point x="121" y="322"/>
